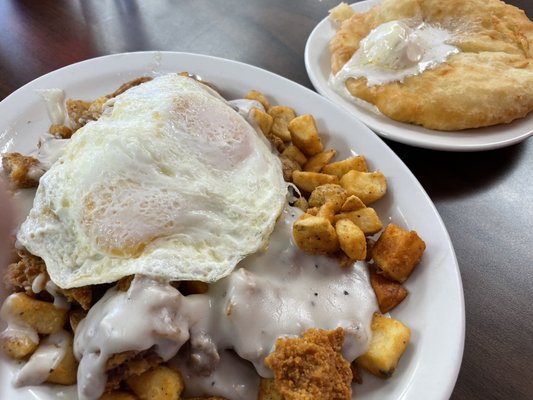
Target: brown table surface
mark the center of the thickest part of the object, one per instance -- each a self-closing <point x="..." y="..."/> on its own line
<point x="485" y="198"/>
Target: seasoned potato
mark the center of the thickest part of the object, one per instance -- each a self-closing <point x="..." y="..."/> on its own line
<point x="389" y="340"/>
<point x="118" y="395"/>
<point x="368" y="186"/>
<point x="319" y="160"/>
<point x="282" y="116"/>
<point x="339" y="168"/>
<point x="268" y="390"/>
<point x="301" y="203"/>
<point x="258" y="96"/>
<point x="311" y="211"/>
<point x="159" y="383"/>
<point x="61" y="131"/>
<point x="397" y="252"/>
<point x="308" y="181"/>
<point x="365" y="218"/>
<point x="388" y="293"/>
<point x="332" y="193"/>
<point x="264" y="120"/>
<point x="351" y="239"/>
<point x="288" y="166"/>
<point x="295" y="153"/>
<point x="17" y="346"/>
<point x="304" y="135"/>
<point x="327" y="210"/>
<point x="315" y="235"/>
<point x="352" y="203"/>
<point x="66" y="372"/>
<point x="42" y="316"/>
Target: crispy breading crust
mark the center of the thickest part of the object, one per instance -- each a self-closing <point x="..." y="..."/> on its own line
<point x="121" y="366"/>
<point x="312" y="367"/>
<point x="489" y="82"/>
<point x="21" y="274"/>
<point x="18" y="169"/>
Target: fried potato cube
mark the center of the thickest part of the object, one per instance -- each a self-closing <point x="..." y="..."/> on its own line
<point x="388" y="293"/>
<point x="319" y="160"/>
<point x="327" y="210"/>
<point x="258" y="96"/>
<point x="308" y="181"/>
<point x="340" y="168"/>
<point x="368" y="186"/>
<point x="365" y="218"/>
<point x="315" y="235"/>
<point x="118" y="395"/>
<point x="159" y="383"/>
<point x="295" y="153"/>
<point x="389" y="340"/>
<point x="42" y="316"/>
<point x="282" y="117"/>
<point x="340" y="13"/>
<point x="22" y="171"/>
<point x="61" y="131"/>
<point x="276" y="142"/>
<point x="304" y="135"/>
<point x="288" y="166"/>
<point x="332" y="193"/>
<point x="17" y="346"/>
<point x="264" y="120"/>
<point x="351" y="239"/>
<point x="352" y="203"/>
<point x="268" y="390"/>
<point x="66" y="372"/>
<point x="311" y="211"/>
<point x="397" y="252"/>
<point x="301" y="203"/>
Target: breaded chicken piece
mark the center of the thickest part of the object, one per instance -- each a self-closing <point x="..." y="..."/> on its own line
<point x="22" y="171"/>
<point x="312" y="367"/>
<point x="122" y="366"/>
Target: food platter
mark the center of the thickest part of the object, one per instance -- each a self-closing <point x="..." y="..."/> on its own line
<point x="434" y="310"/>
<point x="317" y="63"/>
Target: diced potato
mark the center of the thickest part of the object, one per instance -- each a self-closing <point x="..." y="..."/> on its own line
<point x="258" y="96"/>
<point x="17" y="346"/>
<point x="282" y="116"/>
<point x="368" y="186"/>
<point x="311" y="211"/>
<point x="365" y="218"/>
<point x="295" y="153"/>
<point x="263" y="120"/>
<point x="332" y="193"/>
<point x="308" y="181"/>
<point x="159" y="383"/>
<point x="66" y="372"/>
<point x="42" y="316"/>
<point x="397" y="252"/>
<point x="268" y="390"/>
<point x="339" y="168"/>
<point x="388" y="293"/>
<point x="319" y="160"/>
<point x="288" y="166"/>
<point x="351" y="239"/>
<point x="61" y="131"/>
<point x="118" y="395"/>
<point x="389" y="340"/>
<point x="352" y="203"/>
<point x="327" y="210"/>
<point x="340" y="13"/>
<point x="301" y="203"/>
<point x="304" y="135"/>
<point x="315" y="235"/>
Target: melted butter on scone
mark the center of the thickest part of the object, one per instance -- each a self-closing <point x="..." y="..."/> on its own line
<point x="395" y="50"/>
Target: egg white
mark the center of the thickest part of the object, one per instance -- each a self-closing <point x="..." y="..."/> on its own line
<point x="169" y="182"/>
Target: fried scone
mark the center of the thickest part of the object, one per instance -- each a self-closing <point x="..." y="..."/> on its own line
<point x="482" y="76"/>
<point x="312" y="367"/>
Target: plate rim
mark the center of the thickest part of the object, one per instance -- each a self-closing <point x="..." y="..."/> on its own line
<point x="459" y="347"/>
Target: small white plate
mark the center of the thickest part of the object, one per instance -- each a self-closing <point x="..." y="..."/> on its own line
<point x="317" y="63"/>
<point x="434" y="310"/>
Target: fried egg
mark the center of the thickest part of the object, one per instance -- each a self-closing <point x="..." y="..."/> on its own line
<point x="170" y="182"/>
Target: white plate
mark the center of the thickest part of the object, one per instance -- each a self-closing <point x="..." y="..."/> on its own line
<point x="434" y="310"/>
<point x="317" y="63"/>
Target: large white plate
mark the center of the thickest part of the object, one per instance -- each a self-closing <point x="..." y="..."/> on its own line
<point x="434" y="310"/>
<point x="317" y="63"/>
